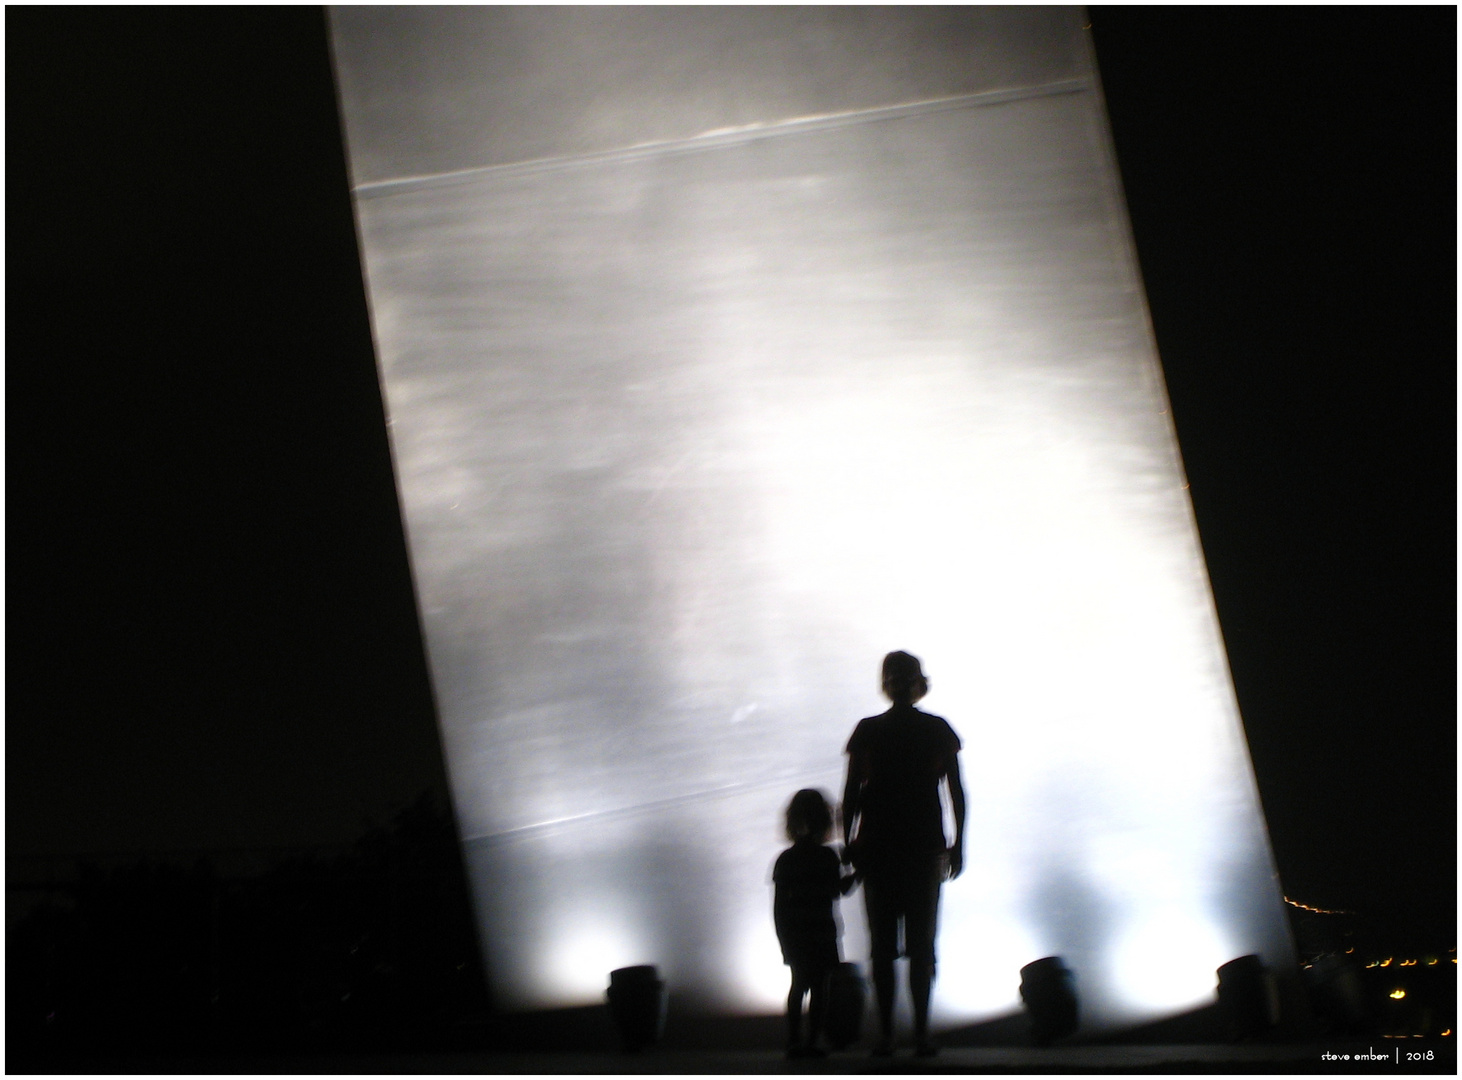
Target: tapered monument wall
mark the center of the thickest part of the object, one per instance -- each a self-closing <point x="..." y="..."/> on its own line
<point x="725" y="350"/>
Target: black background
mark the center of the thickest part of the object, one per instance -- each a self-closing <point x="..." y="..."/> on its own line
<point x="212" y="637"/>
<point x="1290" y="175"/>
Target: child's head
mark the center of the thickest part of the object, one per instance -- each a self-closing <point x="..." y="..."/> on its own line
<point x="904" y="680"/>
<point x="809" y="817"/>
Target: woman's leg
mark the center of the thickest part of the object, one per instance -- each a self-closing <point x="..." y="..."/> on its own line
<point x="921" y="924"/>
<point x="921" y="981"/>
<point x="883" y="927"/>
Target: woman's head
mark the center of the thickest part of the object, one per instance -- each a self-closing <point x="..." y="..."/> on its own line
<point x="904" y="680"/>
<point x="809" y="817"/>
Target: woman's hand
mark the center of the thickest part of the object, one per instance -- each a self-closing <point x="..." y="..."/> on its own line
<point x="954" y="862"/>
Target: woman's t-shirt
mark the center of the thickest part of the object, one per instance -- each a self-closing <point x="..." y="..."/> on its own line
<point x="906" y="753"/>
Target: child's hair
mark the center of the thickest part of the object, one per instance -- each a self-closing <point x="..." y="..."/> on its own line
<point x="809" y="817"/>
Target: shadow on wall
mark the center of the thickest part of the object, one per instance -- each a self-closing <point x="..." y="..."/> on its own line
<point x="1075" y="923"/>
<point x="567" y="918"/>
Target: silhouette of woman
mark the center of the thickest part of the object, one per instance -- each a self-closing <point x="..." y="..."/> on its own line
<point x="893" y="827"/>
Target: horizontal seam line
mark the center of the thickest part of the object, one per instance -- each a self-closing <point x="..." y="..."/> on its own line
<point x="715" y="139"/>
<point x="637" y="809"/>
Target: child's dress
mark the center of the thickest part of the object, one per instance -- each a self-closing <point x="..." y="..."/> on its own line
<point x="808" y="879"/>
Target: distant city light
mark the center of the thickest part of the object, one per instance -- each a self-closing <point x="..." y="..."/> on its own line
<point x="1400" y="963"/>
<point x="1316" y="910"/>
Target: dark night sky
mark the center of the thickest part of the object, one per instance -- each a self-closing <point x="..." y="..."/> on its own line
<point x="212" y="638"/>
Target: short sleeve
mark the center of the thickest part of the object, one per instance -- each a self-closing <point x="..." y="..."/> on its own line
<point x="779" y="868"/>
<point x="953" y="737"/>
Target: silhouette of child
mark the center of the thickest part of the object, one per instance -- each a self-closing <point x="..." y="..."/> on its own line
<point x="808" y="879"/>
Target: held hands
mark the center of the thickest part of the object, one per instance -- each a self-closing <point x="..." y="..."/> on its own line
<point x="849" y="855"/>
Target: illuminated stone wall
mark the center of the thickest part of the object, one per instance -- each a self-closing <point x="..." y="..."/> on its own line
<point x="725" y="350"/>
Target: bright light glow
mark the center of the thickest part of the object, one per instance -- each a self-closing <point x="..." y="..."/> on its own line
<point x="1167" y="961"/>
<point x="581" y="956"/>
<point x="688" y="437"/>
<point x="1398" y="993"/>
<point x="980" y="960"/>
<point x="765" y="980"/>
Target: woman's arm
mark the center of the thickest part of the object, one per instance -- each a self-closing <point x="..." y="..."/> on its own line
<point x="957" y="804"/>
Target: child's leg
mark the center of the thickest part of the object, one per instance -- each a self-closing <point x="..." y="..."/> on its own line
<point x="816" y="1007"/>
<point x="794" y="1007"/>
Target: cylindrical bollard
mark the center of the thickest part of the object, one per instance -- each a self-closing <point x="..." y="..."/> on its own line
<point x="1247" y="997"/>
<point x="637" y="1004"/>
<point x="1048" y="988"/>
